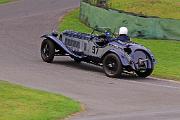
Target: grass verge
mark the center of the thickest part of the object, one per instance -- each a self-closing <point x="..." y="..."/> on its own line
<point x="161" y="8"/>
<point x="166" y="52"/>
<point x="4" y="1"/>
<point x="20" y="103"/>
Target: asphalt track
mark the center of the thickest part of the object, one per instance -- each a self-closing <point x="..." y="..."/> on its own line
<point x="128" y="98"/>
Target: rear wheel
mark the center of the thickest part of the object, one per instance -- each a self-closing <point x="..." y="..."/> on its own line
<point x="112" y="65"/>
<point x="47" y="50"/>
<point x="144" y="73"/>
<point x="144" y="65"/>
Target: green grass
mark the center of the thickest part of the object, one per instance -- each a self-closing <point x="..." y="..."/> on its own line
<point x="71" y="21"/>
<point x="4" y="1"/>
<point x="20" y="103"/>
<point x="161" y="8"/>
<point x="166" y="52"/>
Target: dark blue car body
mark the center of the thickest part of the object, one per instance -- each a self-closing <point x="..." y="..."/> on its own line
<point x="104" y="50"/>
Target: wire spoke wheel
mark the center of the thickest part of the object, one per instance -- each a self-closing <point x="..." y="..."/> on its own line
<point x="47" y="50"/>
<point x="112" y="65"/>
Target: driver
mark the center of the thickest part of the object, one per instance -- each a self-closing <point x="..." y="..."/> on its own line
<point x="123" y="34"/>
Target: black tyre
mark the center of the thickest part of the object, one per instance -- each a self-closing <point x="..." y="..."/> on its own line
<point x="77" y="60"/>
<point x="47" y="50"/>
<point x="144" y="73"/>
<point x="112" y="65"/>
<point x="145" y="68"/>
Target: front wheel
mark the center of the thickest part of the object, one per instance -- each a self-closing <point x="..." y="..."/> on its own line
<point x="112" y="65"/>
<point x="47" y="51"/>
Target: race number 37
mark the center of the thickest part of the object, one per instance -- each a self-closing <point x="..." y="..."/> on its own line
<point x="95" y="50"/>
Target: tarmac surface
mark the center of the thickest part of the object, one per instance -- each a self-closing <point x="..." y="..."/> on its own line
<point x="128" y="98"/>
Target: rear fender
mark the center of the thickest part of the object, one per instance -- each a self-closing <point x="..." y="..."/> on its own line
<point x="124" y="60"/>
<point x="152" y="59"/>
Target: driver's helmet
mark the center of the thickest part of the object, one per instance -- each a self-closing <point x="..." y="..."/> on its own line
<point x="123" y="31"/>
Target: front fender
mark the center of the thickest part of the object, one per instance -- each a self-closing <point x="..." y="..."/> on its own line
<point x="44" y="36"/>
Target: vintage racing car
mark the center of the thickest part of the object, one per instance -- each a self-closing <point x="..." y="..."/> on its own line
<point x="114" y="56"/>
